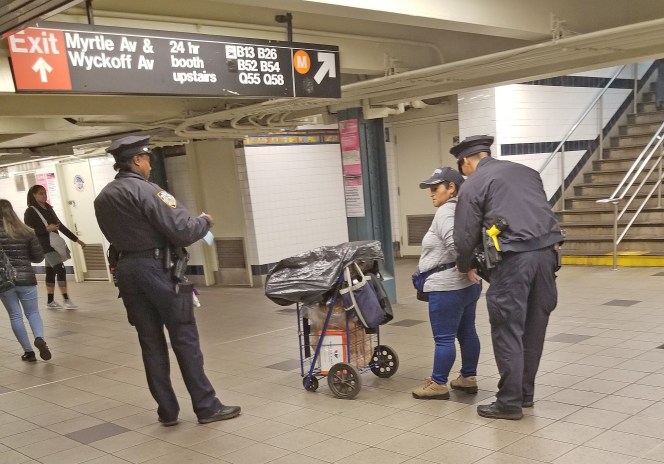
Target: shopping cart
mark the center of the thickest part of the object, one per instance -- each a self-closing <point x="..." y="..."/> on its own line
<point x="333" y="342"/>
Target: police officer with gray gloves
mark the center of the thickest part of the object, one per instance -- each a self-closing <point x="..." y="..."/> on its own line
<point x="143" y="222"/>
<point x="522" y="291"/>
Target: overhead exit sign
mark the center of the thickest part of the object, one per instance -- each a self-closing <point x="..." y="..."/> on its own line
<point x="73" y="58"/>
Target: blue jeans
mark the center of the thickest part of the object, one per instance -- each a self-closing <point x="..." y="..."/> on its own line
<point x="13" y="299"/>
<point x="452" y="315"/>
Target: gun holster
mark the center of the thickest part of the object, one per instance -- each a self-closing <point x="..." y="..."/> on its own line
<point x="113" y="256"/>
<point x="492" y="255"/>
<point x="559" y="256"/>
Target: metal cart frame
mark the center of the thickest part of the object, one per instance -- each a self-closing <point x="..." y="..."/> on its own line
<point x="343" y="377"/>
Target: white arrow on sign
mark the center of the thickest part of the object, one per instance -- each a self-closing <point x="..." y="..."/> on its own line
<point x="42" y="67"/>
<point x="327" y="66"/>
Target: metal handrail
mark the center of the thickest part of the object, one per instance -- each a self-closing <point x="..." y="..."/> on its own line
<point x="630" y="177"/>
<point x="580" y="120"/>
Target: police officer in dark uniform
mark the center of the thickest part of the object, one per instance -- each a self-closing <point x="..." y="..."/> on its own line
<point x="523" y="291"/>
<point x="141" y="219"/>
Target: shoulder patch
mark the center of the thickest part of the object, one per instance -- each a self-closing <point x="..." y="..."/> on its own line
<point x="167" y="198"/>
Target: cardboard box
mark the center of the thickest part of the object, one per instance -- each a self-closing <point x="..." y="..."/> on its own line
<point x="335" y="348"/>
<point x="332" y="350"/>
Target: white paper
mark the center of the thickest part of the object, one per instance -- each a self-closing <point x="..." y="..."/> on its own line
<point x="208" y="239"/>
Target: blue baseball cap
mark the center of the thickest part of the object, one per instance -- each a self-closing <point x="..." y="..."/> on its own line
<point x="443" y="174"/>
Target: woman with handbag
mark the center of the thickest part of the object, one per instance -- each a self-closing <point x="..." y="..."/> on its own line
<point x="21" y="246"/>
<point x="452" y="295"/>
<point x="40" y="216"/>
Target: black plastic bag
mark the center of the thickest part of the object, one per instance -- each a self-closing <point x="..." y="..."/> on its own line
<point x="314" y="276"/>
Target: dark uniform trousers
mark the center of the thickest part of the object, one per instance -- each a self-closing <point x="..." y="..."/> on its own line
<point x="148" y="293"/>
<point x="520" y="299"/>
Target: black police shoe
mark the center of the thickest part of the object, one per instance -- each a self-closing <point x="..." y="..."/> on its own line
<point x="527" y="403"/>
<point x="492" y="411"/>
<point x="226" y="412"/>
<point x="167" y="423"/>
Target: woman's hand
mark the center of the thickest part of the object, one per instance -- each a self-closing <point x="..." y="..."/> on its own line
<point x="53" y="227"/>
<point x="81" y="242"/>
<point x="473" y="277"/>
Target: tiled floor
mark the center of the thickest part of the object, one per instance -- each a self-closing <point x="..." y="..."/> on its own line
<point x="600" y="391"/>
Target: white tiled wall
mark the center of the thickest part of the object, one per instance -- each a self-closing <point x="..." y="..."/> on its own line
<point x="9" y="192"/>
<point x="538" y="113"/>
<point x="478" y="113"/>
<point x="102" y="172"/>
<point x="552" y="178"/>
<point x="293" y="198"/>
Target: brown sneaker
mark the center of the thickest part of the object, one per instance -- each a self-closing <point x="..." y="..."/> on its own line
<point x="431" y="390"/>
<point x="466" y="384"/>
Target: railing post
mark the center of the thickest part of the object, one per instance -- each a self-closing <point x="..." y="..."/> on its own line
<point x="636" y="87"/>
<point x="659" y="177"/>
<point x="562" y="178"/>
<point x="600" y="125"/>
<point x="615" y="236"/>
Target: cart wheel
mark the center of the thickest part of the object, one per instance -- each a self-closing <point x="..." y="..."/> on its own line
<point x="344" y="381"/>
<point x="312" y="386"/>
<point x="384" y="362"/>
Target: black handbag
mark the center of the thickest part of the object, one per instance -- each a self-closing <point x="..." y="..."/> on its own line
<point x="358" y="295"/>
<point x="419" y="278"/>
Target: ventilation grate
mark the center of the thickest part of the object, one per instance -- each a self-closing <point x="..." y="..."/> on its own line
<point x="418" y="225"/>
<point x="94" y="257"/>
<point x="230" y="253"/>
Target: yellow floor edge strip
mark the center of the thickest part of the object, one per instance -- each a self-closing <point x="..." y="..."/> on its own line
<point x="629" y="261"/>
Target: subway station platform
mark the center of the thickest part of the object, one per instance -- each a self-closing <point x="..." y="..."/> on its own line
<point x="599" y="395"/>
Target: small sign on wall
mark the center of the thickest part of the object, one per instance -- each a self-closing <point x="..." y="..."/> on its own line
<point x="354" y="192"/>
<point x="349" y="138"/>
<point x="79" y="183"/>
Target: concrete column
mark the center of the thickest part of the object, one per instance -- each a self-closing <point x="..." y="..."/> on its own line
<point x="375" y="224"/>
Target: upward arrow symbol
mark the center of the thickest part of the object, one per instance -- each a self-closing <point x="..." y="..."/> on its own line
<point x="327" y="66"/>
<point x="42" y="67"/>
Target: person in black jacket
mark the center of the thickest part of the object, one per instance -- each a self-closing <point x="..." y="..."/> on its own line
<point x="22" y="247"/>
<point x="523" y="289"/>
<point x="37" y="213"/>
<point x="143" y="221"/>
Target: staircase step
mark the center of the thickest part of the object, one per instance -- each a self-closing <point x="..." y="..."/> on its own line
<point x="623" y="152"/>
<point x="626" y="259"/>
<point x="590" y="201"/>
<point x="581" y="230"/>
<point x="646" y="107"/>
<point x="630" y="140"/>
<point x="606" y="189"/>
<point x="605" y="214"/>
<point x="603" y="243"/>
<point x="623" y="164"/>
<point x="640" y="129"/>
<point x="648" y="96"/>
<point x="644" y="117"/>
<point x="609" y="176"/>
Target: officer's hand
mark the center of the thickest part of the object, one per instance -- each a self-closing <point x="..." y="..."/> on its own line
<point x="473" y="277"/>
<point x="208" y="218"/>
<point x="81" y="242"/>
<point x="52" y="227"/>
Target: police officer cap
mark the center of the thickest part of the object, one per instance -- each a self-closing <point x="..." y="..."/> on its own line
<point x="443" y="174"/>
<point x="472" y="145"/>
<point x="126" y="147"/>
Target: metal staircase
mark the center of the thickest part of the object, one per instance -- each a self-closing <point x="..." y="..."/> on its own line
<point x="589" y="225"/>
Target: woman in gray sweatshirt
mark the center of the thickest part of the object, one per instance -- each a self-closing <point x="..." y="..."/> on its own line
<point x="452" y="296"/>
